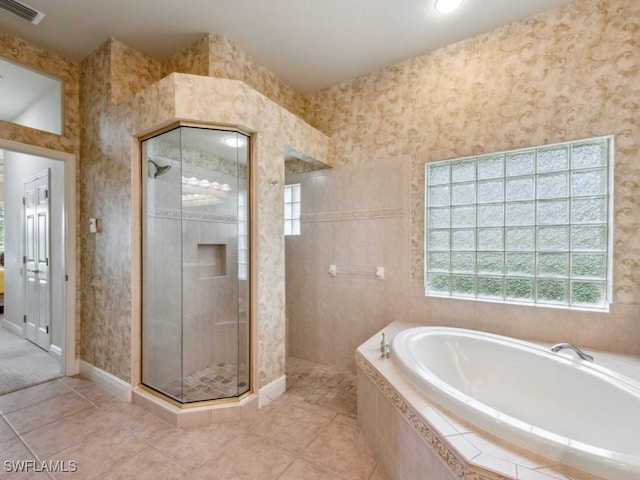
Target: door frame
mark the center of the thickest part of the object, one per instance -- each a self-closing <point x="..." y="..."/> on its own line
<point x="70" y="364"/>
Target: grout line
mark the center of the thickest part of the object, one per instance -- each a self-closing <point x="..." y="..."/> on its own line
<point x="118" y="422"/>
<point x="19" y="437"/>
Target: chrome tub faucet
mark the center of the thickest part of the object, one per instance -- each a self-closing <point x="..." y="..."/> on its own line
<point x="580" y="353"/>
<point x="385" y="349"/>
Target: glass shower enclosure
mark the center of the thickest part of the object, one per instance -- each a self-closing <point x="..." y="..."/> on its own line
<point x="195" y="264"/>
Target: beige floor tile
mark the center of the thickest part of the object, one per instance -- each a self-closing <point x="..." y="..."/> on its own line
<point x="327" y="386"/>
<point x="250" y="458"/>
<point x="30" y="475"/>
<point x="252" y="418"/>
<point x="293" y="400"/>
<point x="291" y="428"/>
<point x="46" y="411"/>
<point x="100" y="452"/>
<point x="146" y="424"/>
<point x="341" y="449"/>
<point x="149" y="464"/>
<point x="66" y="432"/>
<point x="378" y="474"/>
<point x="303" y="470"/>
<point x="12" y="450"/>
<point x="90" y="391"/>
<point x="6" y="432"/>
<point x="346" y="420"/>
<point x="192" y="447"/>
<point x="74" y="419"/>
<point x="29" y="396"/>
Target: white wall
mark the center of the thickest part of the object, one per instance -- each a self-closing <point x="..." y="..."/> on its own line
<point x="18" y="167"/>
<point x="45" y="113"/>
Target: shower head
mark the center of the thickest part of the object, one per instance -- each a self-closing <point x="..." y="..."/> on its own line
<point x="160" y="169"/>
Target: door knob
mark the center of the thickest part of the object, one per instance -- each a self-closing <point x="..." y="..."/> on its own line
<point x="33" y="271"/>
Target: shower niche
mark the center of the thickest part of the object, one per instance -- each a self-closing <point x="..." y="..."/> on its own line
<point x="195" y="264"/>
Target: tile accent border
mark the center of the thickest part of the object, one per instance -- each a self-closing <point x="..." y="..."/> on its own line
<point x="355" y="215"/>
<point x="428" y="433"/>
<point x="460" y="469"/>
<point x="191" y="215"/>
<point x="470" y="452"/>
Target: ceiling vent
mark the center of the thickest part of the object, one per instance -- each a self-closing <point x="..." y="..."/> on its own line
<point x="22" y="10"/>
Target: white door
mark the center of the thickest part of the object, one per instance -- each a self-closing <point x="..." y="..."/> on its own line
<point x="36" y="259"/>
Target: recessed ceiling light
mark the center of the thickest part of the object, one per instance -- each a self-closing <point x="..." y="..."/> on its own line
<point x="447" y="6"/>
<point x="234" y="142"/>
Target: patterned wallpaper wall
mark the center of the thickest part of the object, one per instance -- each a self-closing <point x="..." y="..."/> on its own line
<point x="226" y="60"/>
<point x="215" y="56"/>
<point x="32" y="56"/>
<point x="566" y="74"/>
<point x="107" y="192"/>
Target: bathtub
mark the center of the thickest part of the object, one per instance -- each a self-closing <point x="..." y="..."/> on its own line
<point x="567" y="409"/>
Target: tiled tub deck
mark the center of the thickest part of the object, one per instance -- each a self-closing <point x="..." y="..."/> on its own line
<point x="414" y="438"/>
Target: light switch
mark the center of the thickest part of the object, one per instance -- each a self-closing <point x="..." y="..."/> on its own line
<point x="93" y="225"/>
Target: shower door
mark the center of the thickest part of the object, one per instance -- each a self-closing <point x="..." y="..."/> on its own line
<point x="195" y="285"/>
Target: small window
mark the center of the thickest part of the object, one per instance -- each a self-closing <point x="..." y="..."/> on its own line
<point x="529" y="225"/>
<point x="243" y="236"/>
<point x="30" y="98"/>
<point x="292" y="209"/>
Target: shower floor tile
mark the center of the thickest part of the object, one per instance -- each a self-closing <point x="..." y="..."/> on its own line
<point x="323" y="385"/>
<point x="213" y="382"/>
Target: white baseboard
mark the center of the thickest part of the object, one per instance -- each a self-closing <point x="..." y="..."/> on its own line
<point x="273" y="390"/>
<point x="12" y="327"/>
<point x="56" y="352"/>
<point x="111" y="383"/>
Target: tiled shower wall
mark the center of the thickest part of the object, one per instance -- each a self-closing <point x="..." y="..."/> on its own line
<point x="192" y="321"/>
<point x="357" y="218"/>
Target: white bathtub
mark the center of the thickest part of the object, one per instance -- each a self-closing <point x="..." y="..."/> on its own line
<point x="564" y="408"/>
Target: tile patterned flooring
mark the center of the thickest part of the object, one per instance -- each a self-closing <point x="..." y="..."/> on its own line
<point x="309" y="433"/>
<point x="216" y="381"/>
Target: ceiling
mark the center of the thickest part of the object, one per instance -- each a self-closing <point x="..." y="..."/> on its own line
<point x="310" y="44"/>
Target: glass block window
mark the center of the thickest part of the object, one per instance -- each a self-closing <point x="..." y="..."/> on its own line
<point x="528" y="225"/>
<point x="292" y="209"/>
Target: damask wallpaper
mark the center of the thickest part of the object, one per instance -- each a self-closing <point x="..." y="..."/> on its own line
<point x="566" y="74"/>
<point x="215" y="56"/>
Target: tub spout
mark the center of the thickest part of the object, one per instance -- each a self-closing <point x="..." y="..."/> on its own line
<point x="385" y="350"/>
<point x="580" y="353"/>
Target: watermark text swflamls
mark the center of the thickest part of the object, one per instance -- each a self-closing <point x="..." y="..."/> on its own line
<point x="53" y="466"/>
